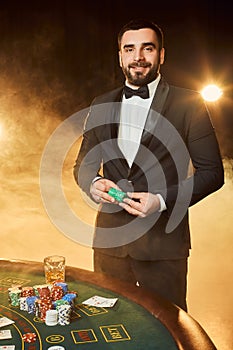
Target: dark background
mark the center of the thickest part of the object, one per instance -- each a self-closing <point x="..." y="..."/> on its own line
<point x="56" y="56"/>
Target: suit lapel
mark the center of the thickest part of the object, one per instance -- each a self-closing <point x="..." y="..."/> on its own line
<point x="153" y="117"/>
<point x="113" y="128"/>
<point x="155" y="109"/>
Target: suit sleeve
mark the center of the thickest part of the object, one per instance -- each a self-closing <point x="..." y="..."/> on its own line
<point x="203" y="148"/>
<point x="89" y="158"/>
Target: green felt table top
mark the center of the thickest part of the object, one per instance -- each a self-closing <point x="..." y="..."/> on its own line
<point x="125" y="326"/>
<point x="139" y="320"/>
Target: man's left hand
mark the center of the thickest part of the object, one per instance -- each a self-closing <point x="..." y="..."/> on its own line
<point x="146" y="204"/>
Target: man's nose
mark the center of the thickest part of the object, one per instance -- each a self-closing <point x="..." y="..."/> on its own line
<point x="138" y="55"/>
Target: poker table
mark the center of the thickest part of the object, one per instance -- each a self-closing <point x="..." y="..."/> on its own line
<point x="140" y="319"/>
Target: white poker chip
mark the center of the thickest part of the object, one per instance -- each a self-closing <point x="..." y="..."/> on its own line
<point x="56" y="347"/>
<point x="51" y="318"/>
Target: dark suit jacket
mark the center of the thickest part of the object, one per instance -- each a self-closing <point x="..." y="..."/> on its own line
<point x="178" y="129"/>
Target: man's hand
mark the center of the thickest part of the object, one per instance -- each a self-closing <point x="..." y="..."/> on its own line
<point x="99" y="191"/>
<point x="146" y="204"/>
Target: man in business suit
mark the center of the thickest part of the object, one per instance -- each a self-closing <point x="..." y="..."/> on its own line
<point x="141" y="139"/>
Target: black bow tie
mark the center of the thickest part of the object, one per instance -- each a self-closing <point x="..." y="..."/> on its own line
<point x="142" y="92"/>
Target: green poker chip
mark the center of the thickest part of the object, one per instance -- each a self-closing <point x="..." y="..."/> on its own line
<point x="117" y="194"/>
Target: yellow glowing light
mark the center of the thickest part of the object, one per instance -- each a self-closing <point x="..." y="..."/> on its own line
<point x="211" y="93"/>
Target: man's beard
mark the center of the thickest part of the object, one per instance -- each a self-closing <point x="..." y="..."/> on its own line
<point x="139" y="79"/>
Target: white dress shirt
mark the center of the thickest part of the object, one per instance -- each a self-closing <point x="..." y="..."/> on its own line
<point x="133" y="115"/>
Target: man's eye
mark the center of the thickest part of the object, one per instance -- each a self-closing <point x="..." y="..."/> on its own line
<point x="129" y="49"/>
<point x="148" y="48"/>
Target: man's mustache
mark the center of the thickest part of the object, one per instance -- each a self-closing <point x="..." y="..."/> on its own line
<point x="139" y="64"/>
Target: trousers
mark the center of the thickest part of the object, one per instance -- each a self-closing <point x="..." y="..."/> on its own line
<point x="168" y="278"/>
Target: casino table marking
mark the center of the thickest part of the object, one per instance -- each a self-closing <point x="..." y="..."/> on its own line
<point x="90" y="327"/>
<point x="22" y="325"/>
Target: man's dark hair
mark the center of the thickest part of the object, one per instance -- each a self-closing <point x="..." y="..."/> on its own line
<point x="140" y="24"/>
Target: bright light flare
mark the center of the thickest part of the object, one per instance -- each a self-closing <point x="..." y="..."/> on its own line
<point x="211" y="93"/>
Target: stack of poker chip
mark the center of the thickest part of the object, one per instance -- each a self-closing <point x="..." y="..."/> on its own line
<point x="44" y="306"/>
<point x="60" y="302"/>
<point x="27" y="292"/>
<point x="51" y="318"/>
<point x="44" y="292"/>
<point x="31" y="304"/>
<point x="64" y="314"/>
<point x="38" y="287"/>
<point x="53" y="304"/>
<point x="63" y="285"/>
<point x="44" y="303"/>
<point x="117" y="194"/>
<point x="14" y="294"/>
<point x="56" y="292"/>
<point x="70" y="297"/>
<point x="23" y="304"/>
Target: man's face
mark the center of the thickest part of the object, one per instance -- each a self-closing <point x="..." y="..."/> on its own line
<point x="139" y="56"/>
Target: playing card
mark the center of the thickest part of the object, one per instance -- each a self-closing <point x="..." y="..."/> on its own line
<point x="7" y="347"/>
<point x="5" y="321"/>
<point x="5" y="334"/>
<point x="100" y="301"/>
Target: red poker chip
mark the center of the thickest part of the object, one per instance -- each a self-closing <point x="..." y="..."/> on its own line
<point x="29" y="337"/>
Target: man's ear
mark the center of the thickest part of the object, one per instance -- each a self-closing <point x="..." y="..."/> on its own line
<point x="162" y="55"/>
<point x="120" y="60"/>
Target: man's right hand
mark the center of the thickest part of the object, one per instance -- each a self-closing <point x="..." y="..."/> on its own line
<point x="99" y="191"/>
